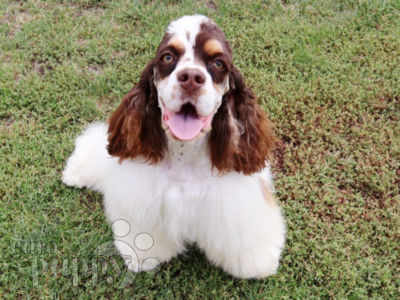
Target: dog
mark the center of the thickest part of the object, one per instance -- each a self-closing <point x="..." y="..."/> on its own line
<point x="184" y="160"/>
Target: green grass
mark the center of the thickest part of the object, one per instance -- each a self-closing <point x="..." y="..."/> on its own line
<point x="328" y="76"/>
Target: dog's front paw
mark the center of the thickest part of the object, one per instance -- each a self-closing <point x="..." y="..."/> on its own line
<point x="148" y="265"/>
<point x="254" y="265"/>
<point x="70" y="176"/>
<point x="132" y="265"/>
<point x="151" y="264"/>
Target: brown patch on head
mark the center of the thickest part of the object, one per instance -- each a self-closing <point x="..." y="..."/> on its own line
<point x="212" y="47"/>
<point x="208" y="32"/>
<point x="268" y="196"/>
<point x="176" y="43"/>
<point x="170" y="45"/>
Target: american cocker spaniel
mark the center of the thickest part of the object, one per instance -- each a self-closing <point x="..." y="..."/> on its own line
<point x="184" y="159"/>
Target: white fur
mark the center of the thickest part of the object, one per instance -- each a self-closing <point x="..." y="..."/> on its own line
<point x="181" y="201"/>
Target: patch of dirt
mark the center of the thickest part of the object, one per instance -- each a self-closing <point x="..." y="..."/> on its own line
<point x="16" y="17"/>
<point x="96" y="70"/>
<point x="279" y="155"/>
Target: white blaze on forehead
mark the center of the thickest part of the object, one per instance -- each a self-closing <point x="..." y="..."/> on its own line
<point x="186" y="29"/>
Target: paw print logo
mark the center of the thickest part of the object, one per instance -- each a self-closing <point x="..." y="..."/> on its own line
<point x="142" y="242"/>
<point x="122" y="246"/>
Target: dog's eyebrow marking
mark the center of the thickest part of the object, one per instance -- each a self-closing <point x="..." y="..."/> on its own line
<point x="176" y="43"/>
<point x="212" y="47"/>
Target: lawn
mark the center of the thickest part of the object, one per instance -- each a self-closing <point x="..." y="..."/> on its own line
<point x="327" y="74"/>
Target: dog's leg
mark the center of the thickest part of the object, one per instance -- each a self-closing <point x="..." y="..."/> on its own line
<point x="143" y="249"/>
<point x="138" y="220"/>
<point x="87" y="165"/>
<point x="245" y="230"/>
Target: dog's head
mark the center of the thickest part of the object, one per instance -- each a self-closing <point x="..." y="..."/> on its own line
<point x="189" y="90"/>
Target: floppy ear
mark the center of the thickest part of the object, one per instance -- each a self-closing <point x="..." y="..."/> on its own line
<point x="135" y="127"/>
<point x="241" y="137"/>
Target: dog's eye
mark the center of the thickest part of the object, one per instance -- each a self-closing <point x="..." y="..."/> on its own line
<point x="167" y="58"/>
<point x="218" y="64"/>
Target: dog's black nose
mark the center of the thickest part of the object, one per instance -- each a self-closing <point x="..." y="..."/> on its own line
<point x="191" y="79"/>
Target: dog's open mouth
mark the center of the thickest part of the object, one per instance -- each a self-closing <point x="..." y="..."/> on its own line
<point x="186" y="124"/>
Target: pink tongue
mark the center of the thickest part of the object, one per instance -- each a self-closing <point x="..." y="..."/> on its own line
<point x="185" y="128"/>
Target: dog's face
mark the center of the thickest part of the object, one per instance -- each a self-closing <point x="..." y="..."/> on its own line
<point x="191" y="74"/>
<point x="190" y="88"/>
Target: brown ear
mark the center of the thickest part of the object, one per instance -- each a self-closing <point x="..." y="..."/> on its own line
<point x="241" y="136"/>
<point x="135" y="127"/>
